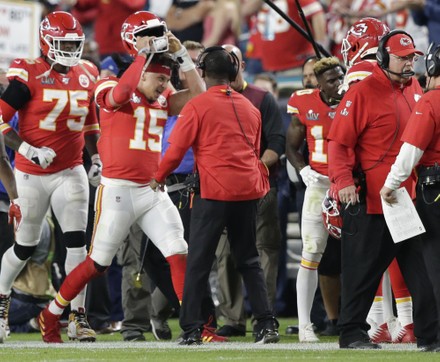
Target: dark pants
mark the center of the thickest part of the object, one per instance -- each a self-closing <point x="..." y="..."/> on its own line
<point x="429" y="212"/>
<point x="367" y="251"/>
<point x="208" y="219"/>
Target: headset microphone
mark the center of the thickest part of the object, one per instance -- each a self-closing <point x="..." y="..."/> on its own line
<point x="407" y="74"/>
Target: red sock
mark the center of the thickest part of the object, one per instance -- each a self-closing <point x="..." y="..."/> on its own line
<point x="178" y="267"/>
<point x="77" y="279"/>
<point x="398" y="284"/>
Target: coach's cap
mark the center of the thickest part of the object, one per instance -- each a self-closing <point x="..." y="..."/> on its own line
<point x="401" y="45"/>
<point x="109" y="63"/>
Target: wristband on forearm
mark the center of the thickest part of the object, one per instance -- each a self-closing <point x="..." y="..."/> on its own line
<point x="184" y="60"/>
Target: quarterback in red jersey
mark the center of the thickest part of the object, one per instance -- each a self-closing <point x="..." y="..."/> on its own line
<point x="57" y="118"/>
<point x="312" y="114"/>
<point x="133" y="111"/>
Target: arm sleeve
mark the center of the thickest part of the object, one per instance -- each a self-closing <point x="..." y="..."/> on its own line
<point x="172" y="158"/>
<point x="129" y="81"/>
<point x="273" y="132"/>
<point x="340" y="165"/>
<point x="16" y="95"/>
<point x="406" y="160"/>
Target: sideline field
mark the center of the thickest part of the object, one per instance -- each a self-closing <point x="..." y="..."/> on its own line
<point x="29" y="347"/>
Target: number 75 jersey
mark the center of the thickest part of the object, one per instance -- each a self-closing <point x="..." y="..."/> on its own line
<point x="317" y="117"/>
<point x="131" y="136"/>
<point x="59" y="111"/>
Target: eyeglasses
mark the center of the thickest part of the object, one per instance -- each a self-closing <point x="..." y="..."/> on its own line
<point x="409" y="58"/>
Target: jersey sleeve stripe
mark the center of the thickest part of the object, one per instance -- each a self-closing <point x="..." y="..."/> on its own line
<point x="355" y="76"/>
<point x="18" y="72"/>
<point x="292" y="110"/>
<point x="4" y="127"/>
<point x="91" y="128"/>
<point x="105" y="85"/>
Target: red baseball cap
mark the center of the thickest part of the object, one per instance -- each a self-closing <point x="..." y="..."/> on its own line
<point x="401" y="45"/>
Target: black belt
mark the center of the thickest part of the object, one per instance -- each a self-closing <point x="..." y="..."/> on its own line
<point x="176" y="178"/>
<point x="429" y="175"/>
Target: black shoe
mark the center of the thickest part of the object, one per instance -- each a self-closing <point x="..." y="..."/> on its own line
<point x="193" y="338"/>
<point x="267" y="331"/>
<point x="292" y="330"/>
<point x="331" y="330"/>
<point x="433" y="347"/>
<point x="160" y="329"/>
<point x="230" y="331"/>
<point x="360" y="345"/>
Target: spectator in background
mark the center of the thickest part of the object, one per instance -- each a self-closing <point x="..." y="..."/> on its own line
<point x="222" y="25"/>
<point x="108" y="17"/>
<point x="281" y="47"/>
<point x="185" y="18"/>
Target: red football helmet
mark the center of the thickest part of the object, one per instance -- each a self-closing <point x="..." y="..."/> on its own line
<point x="144" y="23"/>
<point x="57" y="30"/>
<point x="362" y="39"/>
<point x="331" y="215"/>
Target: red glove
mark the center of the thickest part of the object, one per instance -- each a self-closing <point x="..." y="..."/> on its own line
<point x="15" y="214"/>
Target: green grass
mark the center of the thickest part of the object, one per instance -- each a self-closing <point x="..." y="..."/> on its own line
<point x="29" y="347"/>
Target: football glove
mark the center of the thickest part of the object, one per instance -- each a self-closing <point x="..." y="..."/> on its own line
<point x="14" y="214"/>
<point x="95" y="171"/>
<point x="309" y="176"/>
<point x="40" y="156"/>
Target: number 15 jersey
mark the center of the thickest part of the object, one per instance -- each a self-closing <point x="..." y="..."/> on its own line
<point x="131" y="135"/>
<point x="316" y="116"/>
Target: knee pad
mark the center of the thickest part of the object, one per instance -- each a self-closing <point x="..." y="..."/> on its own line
<point x="74" y="239"/>
<point x="24" y="252"/>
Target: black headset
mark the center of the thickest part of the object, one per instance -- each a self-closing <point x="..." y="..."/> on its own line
<point x="234" y="65"/>
<point x="432" y="60"/>
<point x="382" y="55"/>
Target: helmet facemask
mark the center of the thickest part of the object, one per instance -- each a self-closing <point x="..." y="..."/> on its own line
<point x="67" y="58"/>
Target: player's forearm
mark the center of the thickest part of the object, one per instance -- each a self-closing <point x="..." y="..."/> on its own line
<point x="12" y="139"/>
<point x="269" y="157"/>
<point x="406" y="160"/>
<point x="7" y="178"/>
<point x="91" y="140"/>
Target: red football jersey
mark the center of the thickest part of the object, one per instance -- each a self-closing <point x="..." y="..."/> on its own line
<point x="423" y="128"/>
<point x="317" y="116"/>
<point x="58" y="114"/>
<point x="360" y="71"/>
<point x="282" y="47"/>
<point x="131" y="136"/>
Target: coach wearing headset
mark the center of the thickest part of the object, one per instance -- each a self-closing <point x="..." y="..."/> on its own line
<point x="421" y="148"/>
<point x="370" y="121"/>
<point x="223" y="128"/>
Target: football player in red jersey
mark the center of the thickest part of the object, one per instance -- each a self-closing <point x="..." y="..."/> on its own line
<point x="312" y="114"/>
<point x="359" y="48"/>
<point x="53" y="97"/>
<point x="133" y="111"/>
<point x="359" y="51"/>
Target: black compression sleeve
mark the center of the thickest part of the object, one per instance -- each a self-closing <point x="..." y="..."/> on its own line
<point x="17" y="94"/>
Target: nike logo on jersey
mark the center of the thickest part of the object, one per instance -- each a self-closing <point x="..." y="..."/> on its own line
<point x="419" y="112"/>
